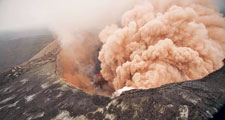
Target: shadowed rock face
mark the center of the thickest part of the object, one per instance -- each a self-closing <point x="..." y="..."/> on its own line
<point x="33" y="90"/>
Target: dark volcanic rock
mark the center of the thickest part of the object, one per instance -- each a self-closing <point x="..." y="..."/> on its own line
<point x="194" y="100"/>
<point x="34" y="91"/>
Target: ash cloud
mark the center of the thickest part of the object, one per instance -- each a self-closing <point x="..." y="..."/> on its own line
<point x="161" y="42"/>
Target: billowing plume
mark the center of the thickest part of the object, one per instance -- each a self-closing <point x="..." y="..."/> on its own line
<point x="161" y="42"/>
<point x="78" y="33"/>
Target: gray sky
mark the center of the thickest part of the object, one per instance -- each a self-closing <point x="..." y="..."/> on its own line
<point x="25" y="14"/>
<point x="18" y="14"/>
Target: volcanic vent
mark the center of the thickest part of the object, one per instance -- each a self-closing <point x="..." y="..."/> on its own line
<point x="78" y="64"/>
<point x="158" y="42"/>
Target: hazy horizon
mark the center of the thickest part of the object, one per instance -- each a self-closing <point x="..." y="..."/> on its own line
<point x="27" y="14"/>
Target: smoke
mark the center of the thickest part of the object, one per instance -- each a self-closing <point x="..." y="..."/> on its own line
<point x="84" y="16"/>
<point x="161" y="42"/>
<point x="157" y="42"/>
<point x="77" y="31"/>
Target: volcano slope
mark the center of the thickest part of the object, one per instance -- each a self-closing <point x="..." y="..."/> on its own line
<point x="34" y="91"/>
<point x="19" y="46"/>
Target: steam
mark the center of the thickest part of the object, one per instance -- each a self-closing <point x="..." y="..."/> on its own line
<point x="78" y="33"/>
<point x="161" y="42"/>
<point x="84" y="16"/>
